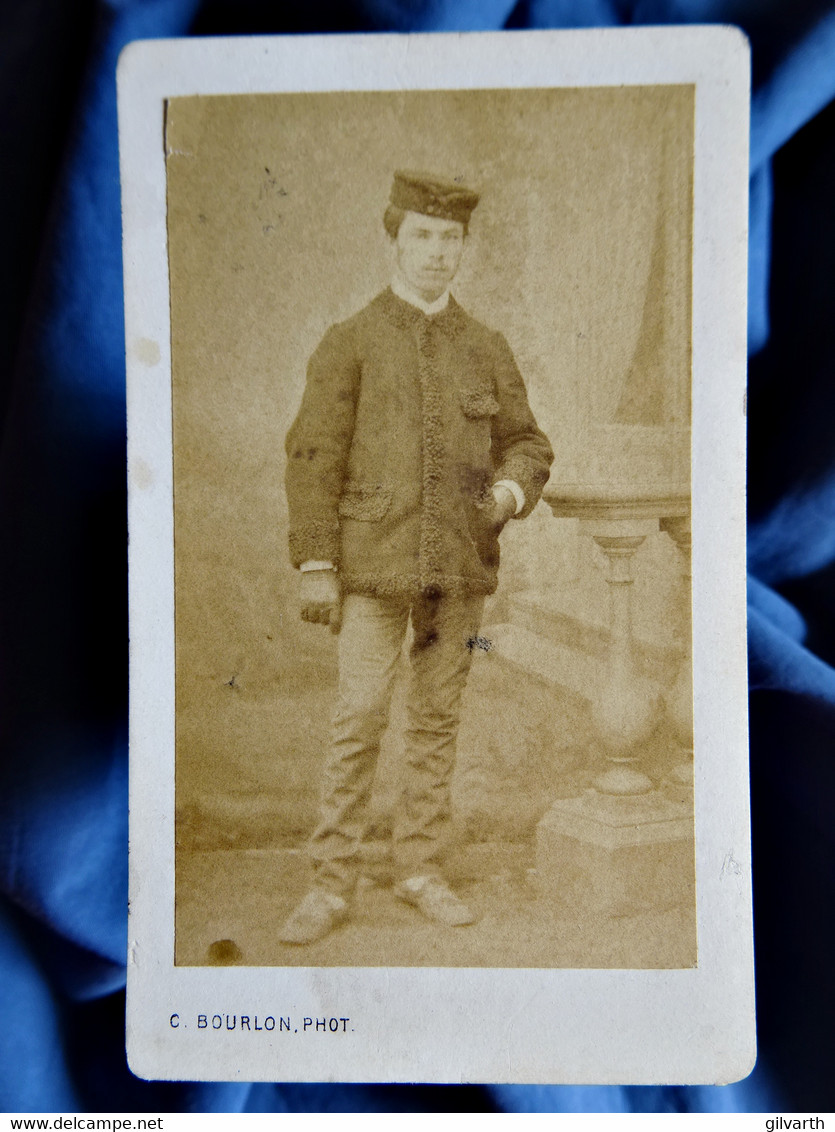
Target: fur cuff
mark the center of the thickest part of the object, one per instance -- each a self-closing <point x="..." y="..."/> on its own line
<point x="317" y="539"/>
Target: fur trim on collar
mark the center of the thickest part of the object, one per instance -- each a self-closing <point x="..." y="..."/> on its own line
<point x="452" y="320"/>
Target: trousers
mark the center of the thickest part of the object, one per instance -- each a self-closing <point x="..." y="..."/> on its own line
<point x="370" y="643"/>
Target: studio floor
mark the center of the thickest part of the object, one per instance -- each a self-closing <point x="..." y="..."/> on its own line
<point x="231" y="902"/>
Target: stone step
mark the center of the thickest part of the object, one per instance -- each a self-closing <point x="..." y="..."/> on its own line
<point x="585" y="634"/>
<point x="573" y="671"/>
<point x="534" y="656"/>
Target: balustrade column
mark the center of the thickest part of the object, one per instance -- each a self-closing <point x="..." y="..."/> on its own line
<point x="623" y="845"/>
<point x="627" y="711"/>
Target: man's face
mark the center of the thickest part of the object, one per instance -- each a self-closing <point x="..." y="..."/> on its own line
<point x="428" y="251"/>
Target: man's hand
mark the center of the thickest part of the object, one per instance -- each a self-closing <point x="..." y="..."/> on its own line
<point x="505" y="504"/>
<point x="321" y="599"/>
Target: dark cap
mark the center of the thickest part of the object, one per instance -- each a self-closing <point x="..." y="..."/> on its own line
<point x="432" y="196"/>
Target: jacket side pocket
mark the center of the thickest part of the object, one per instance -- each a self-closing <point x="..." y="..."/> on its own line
<point x="366" y="502"/>
<point x="476" y="403"/>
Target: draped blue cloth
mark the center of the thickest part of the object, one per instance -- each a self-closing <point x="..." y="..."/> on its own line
<point x="63" y="794"/>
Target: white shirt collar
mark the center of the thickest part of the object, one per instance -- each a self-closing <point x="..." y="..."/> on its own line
<point x="404" y="292"/>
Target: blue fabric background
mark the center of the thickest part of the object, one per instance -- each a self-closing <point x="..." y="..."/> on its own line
<point x="63" y="795"/>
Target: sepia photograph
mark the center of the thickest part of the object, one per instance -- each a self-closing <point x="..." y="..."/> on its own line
<point x="431" y="399"/>
<point x="436" y="431"/>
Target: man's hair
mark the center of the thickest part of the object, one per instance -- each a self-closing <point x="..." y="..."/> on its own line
<point x="393" y="218"/>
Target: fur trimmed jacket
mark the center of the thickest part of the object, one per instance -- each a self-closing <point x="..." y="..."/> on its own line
<point x="406" y="423"/>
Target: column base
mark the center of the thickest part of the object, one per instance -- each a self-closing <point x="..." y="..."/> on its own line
<point x="616" y="856"/>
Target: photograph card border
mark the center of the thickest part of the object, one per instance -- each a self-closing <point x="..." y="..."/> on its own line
<point x="452" y="1024"/>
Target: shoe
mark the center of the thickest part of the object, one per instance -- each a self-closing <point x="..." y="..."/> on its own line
<point x="315" y="917"/>
<point x="436" y="900"/>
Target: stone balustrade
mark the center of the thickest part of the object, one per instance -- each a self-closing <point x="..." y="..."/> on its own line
<point x="624" y="843"/>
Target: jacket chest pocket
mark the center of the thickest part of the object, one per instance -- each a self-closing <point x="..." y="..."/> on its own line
<point x="367" y="502"/>
<point x="478" y="403"/>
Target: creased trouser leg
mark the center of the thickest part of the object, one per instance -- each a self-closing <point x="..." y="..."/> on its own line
<point x="441" y="656"/>
<point x="370" y="641"/>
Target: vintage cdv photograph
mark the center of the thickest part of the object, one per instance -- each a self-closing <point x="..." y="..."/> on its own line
<point x="418" y="690"/>
<point x="436" y="368"/>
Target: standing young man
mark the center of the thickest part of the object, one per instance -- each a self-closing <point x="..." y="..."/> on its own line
<point x="413" y="446"/>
